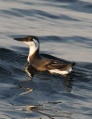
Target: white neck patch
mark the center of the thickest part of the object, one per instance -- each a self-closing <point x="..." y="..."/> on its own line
<point x="33" y="46"/>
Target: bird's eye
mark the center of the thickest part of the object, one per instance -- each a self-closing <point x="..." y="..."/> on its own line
<point x="30" y="39"/>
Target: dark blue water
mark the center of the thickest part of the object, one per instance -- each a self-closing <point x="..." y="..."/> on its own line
<point x="64" y="30"/>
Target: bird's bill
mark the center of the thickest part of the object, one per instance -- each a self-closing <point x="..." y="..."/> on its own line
<point x="19" y="39"/>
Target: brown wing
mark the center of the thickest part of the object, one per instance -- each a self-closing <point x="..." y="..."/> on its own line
<point x="48" y="64"/>
<point x="55" y="64"/>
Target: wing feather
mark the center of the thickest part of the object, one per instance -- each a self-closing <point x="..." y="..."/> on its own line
<point x="55" y="64"/>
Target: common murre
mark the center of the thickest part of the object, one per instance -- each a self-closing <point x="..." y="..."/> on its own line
<point x="37" y="63"/>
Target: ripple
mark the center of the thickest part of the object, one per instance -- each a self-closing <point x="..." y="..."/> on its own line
<point x="81" y="6"/>
<point x="51" y="96"/>
<point x="11" y="13"/>
<point x="10" y="56"/>
<point x="64" y="0"/>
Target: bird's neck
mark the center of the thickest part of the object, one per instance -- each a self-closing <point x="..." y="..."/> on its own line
<point x="33" y="53"/>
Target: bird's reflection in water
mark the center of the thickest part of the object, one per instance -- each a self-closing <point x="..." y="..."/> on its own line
<point x="55" y="83"/>
<point x="48" y="110"/>
<point x="46" y="82"/>
<point x="52" y="85"/>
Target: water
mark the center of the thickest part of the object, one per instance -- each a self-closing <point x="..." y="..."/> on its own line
<point x="64" y="28"/>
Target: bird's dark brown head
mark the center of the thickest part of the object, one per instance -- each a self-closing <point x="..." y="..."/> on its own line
<point x="27" y="39"/>
<point x="33" y="43"/>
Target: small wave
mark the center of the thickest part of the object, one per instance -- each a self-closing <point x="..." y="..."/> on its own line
<point x="64" y="0"/>
<point x="89" y="6"/>
<point x="4" y="71"/>
<point x="11" y="62"/>
<point x="9" y="56"/>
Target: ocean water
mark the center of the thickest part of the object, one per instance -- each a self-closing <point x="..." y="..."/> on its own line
<point x="64" y="28"/>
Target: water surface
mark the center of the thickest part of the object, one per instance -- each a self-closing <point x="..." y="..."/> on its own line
<point x="64" y="28"/>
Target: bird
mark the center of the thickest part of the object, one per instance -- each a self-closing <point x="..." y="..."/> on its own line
<point x="37" y="63"/>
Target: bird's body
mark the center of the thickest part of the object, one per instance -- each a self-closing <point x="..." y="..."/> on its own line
<point x="37" y="63"/>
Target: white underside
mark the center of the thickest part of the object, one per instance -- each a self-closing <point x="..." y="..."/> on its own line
<point x="57" y="71"/>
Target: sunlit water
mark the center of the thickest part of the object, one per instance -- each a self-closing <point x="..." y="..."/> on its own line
<point x="64" y="28"/>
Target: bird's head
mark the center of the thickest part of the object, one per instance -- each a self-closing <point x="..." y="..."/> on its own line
<point x="31" y="41"/>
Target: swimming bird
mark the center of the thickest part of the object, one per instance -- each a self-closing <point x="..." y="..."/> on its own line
<point x="36" y="63"/>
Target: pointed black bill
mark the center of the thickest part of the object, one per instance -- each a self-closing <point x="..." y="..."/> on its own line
<point x="19" y="39"/>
